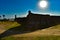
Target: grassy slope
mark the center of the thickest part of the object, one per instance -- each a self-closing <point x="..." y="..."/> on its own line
<point x="52" y="33"/>
<point x="33" y="38"/>
<point x="7" y="25"/>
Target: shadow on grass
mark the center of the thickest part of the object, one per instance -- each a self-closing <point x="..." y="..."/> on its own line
<point x="16" y="30"/>
<point x="25" y="29"/>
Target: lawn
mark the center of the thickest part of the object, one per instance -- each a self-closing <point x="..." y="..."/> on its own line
<point x="5" y="25"/>
<point x="8" y="24"/>
<point x="51" y="33"/>
<point x="33" y="38"/>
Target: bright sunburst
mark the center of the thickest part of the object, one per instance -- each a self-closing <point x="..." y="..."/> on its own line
<point x="43" y="4"/>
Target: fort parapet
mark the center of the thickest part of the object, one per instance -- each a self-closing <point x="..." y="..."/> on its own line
<point x="39" y="20"/>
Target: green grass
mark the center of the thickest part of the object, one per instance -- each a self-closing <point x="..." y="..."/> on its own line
<point x="5" y="25"/>
<point x="32" y="38"/>
<point x="8" y="38"/>
<point x="14" y="24"/>
<point x="8" y="24"/>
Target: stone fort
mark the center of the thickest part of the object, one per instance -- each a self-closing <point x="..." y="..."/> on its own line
<point x="38" y="20"/>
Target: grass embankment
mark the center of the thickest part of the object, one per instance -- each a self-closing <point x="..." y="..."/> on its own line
<point x="56" y="27"/>
<point x="33" y="38"/>
<point x="52" y="33"/>
<point x="5" y="25"/>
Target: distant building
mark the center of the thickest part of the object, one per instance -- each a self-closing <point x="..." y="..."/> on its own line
<point x="38" y="20"/>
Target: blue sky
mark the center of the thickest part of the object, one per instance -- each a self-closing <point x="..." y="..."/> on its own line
<point x="21" y="7"/>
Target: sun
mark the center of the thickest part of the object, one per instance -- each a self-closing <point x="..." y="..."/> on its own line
<point x="43" y="4"/>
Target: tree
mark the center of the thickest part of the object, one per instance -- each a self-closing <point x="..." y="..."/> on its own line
<point x="0" y="16"/>
<point x="3" y="16"/>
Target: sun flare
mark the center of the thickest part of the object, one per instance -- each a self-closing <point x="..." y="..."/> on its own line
<point x="43" y="4"/>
